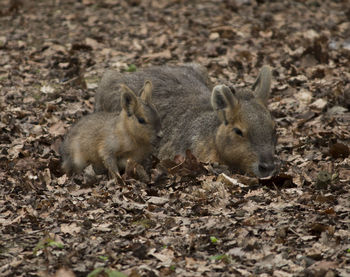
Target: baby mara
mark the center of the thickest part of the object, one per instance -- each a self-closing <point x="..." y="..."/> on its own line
<point x="107" y="140"/>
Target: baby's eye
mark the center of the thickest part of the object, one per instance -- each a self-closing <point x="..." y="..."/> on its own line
<point x="141" y="120"/>
<point x="238" y="132"/>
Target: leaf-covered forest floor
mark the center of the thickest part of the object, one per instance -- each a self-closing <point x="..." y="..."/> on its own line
<point x="190" y="219"/>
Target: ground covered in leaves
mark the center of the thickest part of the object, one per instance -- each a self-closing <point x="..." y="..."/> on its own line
<point x="190" y="219"/>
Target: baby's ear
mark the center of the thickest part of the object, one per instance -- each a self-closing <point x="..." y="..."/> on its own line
<point x="129" y="100"/>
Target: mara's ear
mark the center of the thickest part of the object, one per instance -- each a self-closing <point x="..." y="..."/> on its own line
<point x="129" y="100"/>
<point x="262" y="85"/>
<point x="222" y="100"/>
<point x="146" y="91"/>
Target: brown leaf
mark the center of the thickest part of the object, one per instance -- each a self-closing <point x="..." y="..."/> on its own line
<point x="166" y="54"/>
<point x="339" y="150"/>
<point x="324" y="265"/>
<point x="92" y="43"/>
<point x="71" y="229"/>
<point x="64" y="272"/>
<point x="136" y="171"/>
<point x="157" y="200"/>
<point x="58" y="129"/>
<point x="317" y="228"/>
<point x="281" y="181"/>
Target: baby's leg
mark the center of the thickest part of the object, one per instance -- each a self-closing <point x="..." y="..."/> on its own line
<point x="99" y="169"/>
<point x="110" y="161"/>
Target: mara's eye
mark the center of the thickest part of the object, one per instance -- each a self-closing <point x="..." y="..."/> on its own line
<point x="141" y="120"/>
<point x="238" y="131"/>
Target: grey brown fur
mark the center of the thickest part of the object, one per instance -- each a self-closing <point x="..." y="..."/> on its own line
<point x="107" y="140"/>
<point x="223" y="125"/>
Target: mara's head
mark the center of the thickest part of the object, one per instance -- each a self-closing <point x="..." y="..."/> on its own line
<point x="141" y="118"/>
<point x="246" y="138"/>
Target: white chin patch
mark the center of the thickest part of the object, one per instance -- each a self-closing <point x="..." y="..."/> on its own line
<point x="257" y="173"/>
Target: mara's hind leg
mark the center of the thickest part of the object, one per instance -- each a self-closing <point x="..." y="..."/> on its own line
<point x="79" y="160"/>
<point x="68" y="166"/>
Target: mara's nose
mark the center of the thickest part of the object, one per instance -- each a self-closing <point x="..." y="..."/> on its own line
<point x="160" y="134"/>
<point x="266" y="169"/>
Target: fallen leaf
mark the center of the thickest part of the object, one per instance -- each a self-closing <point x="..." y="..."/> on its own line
<point x="71" y="229"/>
<point x="164" y="54"/>
<point x="58" y="129"/>
<point x="339" y="150"/>
<point x="64" y="272"/>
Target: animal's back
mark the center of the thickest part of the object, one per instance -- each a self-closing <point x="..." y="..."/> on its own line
<point x="89" y="132"/>
<point x="180" y="93"/>
<point x="168" y="82"/>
